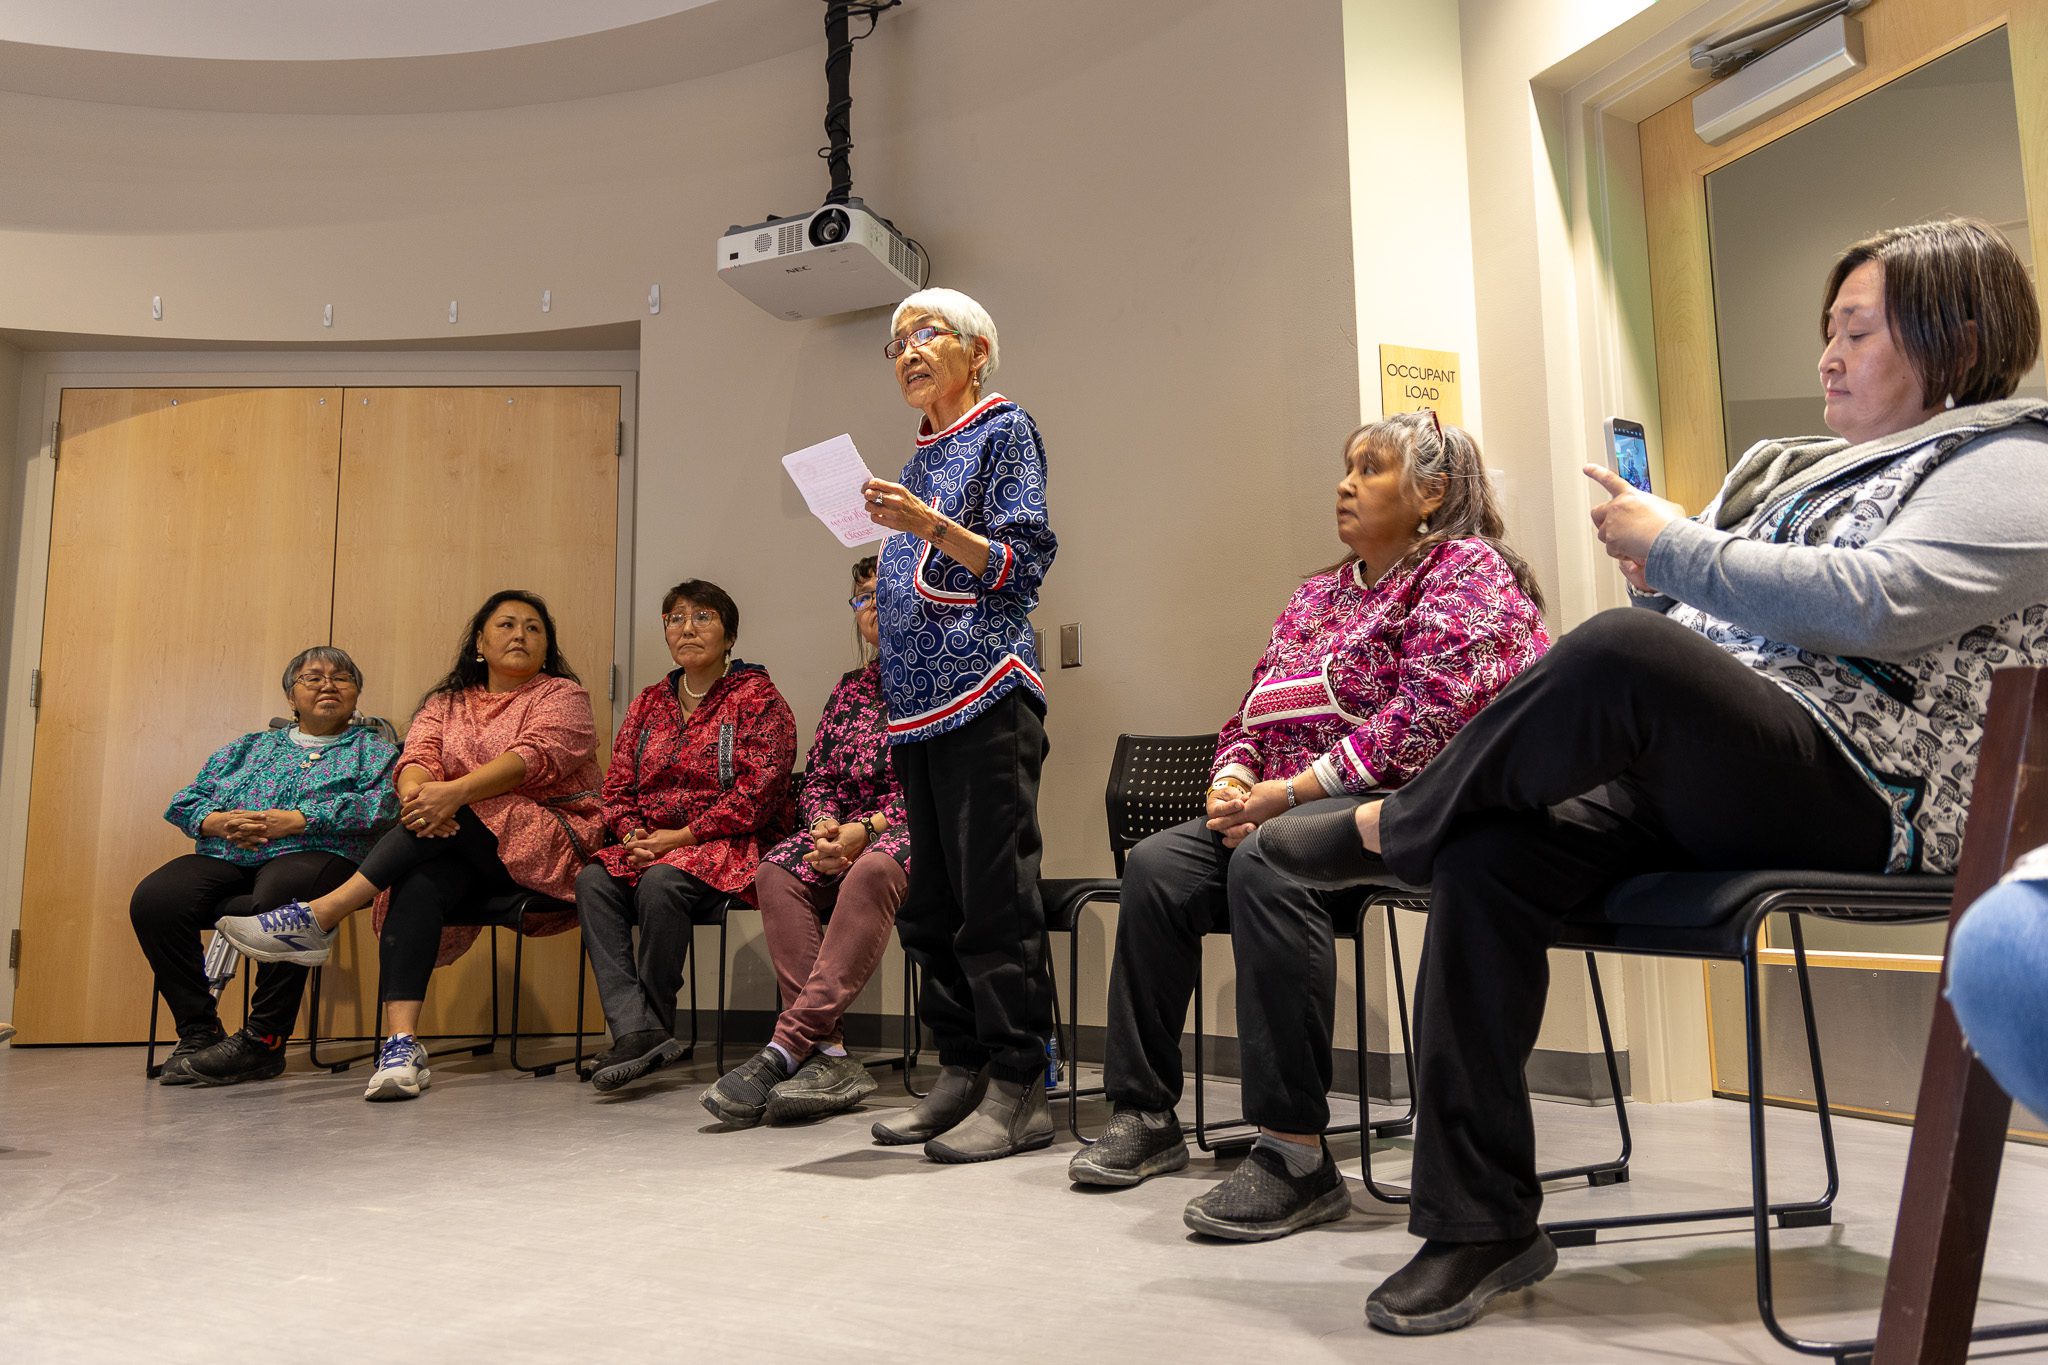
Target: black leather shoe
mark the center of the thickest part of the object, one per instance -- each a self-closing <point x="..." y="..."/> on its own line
<point x="241" y="1056"/>
<point x="1318" y="846"/>
<point x="1447" y="1283"/>
<point x="639" y="1054"/>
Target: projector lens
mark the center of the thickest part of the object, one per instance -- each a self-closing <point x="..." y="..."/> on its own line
<point x="830" y="226"/>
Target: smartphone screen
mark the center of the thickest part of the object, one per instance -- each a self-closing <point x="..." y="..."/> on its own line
<point x="1629" y="452"/>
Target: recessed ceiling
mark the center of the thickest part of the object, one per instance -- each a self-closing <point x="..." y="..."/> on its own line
<point x="385" y="56"/>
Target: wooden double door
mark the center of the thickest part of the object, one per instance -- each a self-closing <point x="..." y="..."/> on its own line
<point x="202" y="537"/>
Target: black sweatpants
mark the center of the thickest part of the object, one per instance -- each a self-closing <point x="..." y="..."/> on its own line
<point x="972" y="919"/>
<point x="1179" y="885"/>
<point x="173" y="904"/>
<point x="433" y="883"/>
<point x="1635" y="745"/>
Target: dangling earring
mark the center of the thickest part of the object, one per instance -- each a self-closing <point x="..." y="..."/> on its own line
<point x="479" y="656"/>
<point x="1422" y="527"/>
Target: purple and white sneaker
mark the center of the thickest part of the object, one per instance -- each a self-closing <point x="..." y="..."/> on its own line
<point x="401" y="1070"/>
<point x="286" y="934"/>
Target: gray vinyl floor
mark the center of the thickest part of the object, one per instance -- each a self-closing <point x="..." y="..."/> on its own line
<point x="502" y="1218"/>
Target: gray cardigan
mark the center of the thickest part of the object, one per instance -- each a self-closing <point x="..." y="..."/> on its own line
<point x="1880" y="585"/>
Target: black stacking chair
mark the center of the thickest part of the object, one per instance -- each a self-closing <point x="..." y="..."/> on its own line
<point x="1719" y="916"/>
<point x="513" y="911"/>
<point x="1155" y="783"/>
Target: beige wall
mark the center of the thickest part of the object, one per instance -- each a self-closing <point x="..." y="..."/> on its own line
<point x="1154" y="210"/>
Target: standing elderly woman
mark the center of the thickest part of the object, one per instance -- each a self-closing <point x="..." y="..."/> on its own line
<point x="967" y="724"/>
<point x="699" y="785"/>
<point x="497" y="792"/>
<point x="828" y="896"/>
<point x="1806" y="689"/>
<point x="278" y="815"/>
<point x="1372" y="667"/>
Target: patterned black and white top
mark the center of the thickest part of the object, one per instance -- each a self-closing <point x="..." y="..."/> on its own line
<point x="1898" y="575"/>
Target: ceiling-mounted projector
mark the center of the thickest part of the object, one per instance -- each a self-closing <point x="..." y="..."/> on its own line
<point x="835" y="260"/>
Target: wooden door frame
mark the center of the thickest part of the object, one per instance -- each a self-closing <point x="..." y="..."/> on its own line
<point x="49" y="373"/>
<point x="1589" y="109"/>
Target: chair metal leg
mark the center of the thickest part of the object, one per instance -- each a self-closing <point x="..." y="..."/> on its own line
<point x="1203" y="1127"/>
<point x="582" y="971"/>
<point x="690" y="976"/>
<point x="540" y="1069"/>
<point x="718" y="1045"/>
<point x="333" y="1066"/>
<point x="1615" y="1170"/>
<point x="913" y="1035"/>
<point x="1073" y="1037"/>
<point x="1792" y="1214"/>
<point x="151" y="1068"/>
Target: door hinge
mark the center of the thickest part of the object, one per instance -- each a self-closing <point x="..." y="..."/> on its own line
<point x="612" y="690"/>
<point x="14" y="948"/>
<point x="56" y="433"/>
<point x="619" y="441"/>
<point x="35" y="689"/>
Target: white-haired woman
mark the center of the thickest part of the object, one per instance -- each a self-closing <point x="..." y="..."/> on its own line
<point x="955" y="591"/>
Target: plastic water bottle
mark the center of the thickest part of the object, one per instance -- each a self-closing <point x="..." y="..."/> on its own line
<point x="1052" y="1062"/>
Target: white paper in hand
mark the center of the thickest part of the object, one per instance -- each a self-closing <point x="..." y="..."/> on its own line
<point x="829" y="475"/>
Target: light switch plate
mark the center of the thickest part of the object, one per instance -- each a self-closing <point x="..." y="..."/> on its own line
<point x="1070" y="646"/>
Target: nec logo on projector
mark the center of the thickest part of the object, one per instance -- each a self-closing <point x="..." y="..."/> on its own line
<point x="837" y="259"/>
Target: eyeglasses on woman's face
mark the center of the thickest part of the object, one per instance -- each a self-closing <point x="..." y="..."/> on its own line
<point x="700" y="618"/>
<point x="861" y="601"/>
<point x="923" y="336"/>
<point x="320" y="682"/>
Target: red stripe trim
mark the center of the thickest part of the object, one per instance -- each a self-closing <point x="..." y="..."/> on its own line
<point x="1010" y="664"/>
<point x="933" y="594"/>
<point x="977" y="410"/>
<point x="1009" y="559"/>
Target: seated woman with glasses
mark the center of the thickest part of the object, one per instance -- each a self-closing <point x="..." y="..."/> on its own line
<point x="698" y="786"/>
<point x="278" y="815"/>
<point x="1372" y="667"/>
<point x="828" y="896"/>
<point x="497" y="794"/>
<point x="1803" y="685"/>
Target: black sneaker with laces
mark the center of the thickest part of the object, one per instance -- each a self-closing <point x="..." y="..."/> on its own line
<point x="177" y="1068"/>
<point x="1129" y="1151"/>
<point x="1262" y="1200"/>
<point x="241" y="1056"/>
<point x="1447" y="1283"/>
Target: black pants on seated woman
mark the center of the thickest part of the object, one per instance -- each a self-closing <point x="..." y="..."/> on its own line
<point x="433" y="883"/>
<point x="1634" y="745"/>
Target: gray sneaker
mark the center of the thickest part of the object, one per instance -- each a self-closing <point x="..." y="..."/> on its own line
<point x="953" y="1097"/>
<point x="1262" y="1200"/>
<point x="822" y="1085"/>
<point x="1130" y="1151"/>
<point x="401" y="1070"/>
<point x="286" y="934"/>
<point x="1012" y="1117"/>
<point x="739" y="1097"/>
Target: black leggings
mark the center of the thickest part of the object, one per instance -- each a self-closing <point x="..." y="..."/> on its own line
<point x="186" y="895"/>
<point x="1635" y="745"/>
<point x="433" y="883"/>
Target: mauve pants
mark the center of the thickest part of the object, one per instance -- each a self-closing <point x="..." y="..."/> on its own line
<point x="826" y="940"/>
